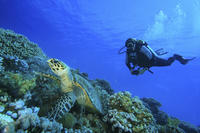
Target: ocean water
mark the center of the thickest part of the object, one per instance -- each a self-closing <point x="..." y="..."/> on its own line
<point x="87" y="34"/>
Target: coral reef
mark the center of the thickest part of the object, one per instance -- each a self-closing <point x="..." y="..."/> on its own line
<point x="127" y="114"/>
<point x="6" y="124"/>
<point x="188" y="128"/>
<point x="153" y="105"/>
<point x="167" y="124"/>
<point x="32" y="122"/>
<point x="45" y="93"/>
<point x="14" y="64"/>
<point x="20" y="118"/>
<point x="1" y="64"/>
<point x="171" y="126"/>
<point x="28" y="90"/>
<point x="85" y="120"/>
<point x="12" y="44"/>
<point x="16" y="84"/>
<point x="68" y="120"/>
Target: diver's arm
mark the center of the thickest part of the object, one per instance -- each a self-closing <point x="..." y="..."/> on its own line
<point x="128" y="63"/>
<point x="139" y="70"/>
<point x="131" y="68"/>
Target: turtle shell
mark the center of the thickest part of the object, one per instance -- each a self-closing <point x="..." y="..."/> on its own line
<point x="92" y="97"/>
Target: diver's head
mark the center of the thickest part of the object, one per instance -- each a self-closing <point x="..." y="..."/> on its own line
<point x="130" y="43"/>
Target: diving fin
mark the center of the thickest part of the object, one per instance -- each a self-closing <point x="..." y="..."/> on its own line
<point x="182" y="60"/>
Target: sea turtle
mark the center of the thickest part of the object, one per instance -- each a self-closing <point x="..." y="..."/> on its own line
<point x="74" y="88"/>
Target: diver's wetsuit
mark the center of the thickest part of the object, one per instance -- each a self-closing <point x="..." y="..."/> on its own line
<point x="140" y="54"/>
<point x="166" y="62"/>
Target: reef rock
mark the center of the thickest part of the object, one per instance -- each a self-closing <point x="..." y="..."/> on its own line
<point x="153" y="105"/>
<point x="188" y="128"/>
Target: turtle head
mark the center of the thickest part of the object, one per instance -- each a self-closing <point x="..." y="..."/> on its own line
<point x="57" y="66"/>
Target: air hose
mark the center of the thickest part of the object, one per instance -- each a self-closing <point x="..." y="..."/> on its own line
<point x="119" y="52"/>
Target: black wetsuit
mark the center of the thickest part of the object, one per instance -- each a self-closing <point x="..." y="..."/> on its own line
<point x="166" y="62"/>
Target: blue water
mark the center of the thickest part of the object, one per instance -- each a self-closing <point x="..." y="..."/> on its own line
<point x="87" y="34"/>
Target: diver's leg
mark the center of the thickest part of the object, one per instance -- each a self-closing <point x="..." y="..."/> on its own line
<point x="163" y="62"/>
<point x="167" y="62"/>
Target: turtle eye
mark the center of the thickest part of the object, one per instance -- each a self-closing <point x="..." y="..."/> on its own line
<point x="55" y="61"/>
<point x="51" y="61"/>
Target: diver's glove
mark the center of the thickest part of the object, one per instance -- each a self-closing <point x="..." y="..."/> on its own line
<point x="135" y="72"/>
<point x="140" y="71"/>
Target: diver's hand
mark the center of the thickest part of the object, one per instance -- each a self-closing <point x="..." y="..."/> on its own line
<point x="139" y="71"/>
<point x="135" y="72"/>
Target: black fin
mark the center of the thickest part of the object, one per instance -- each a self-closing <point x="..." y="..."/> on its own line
<point x="182" y="60"/>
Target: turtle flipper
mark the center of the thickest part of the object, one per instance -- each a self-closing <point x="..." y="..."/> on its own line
<point x="63" y="105"/>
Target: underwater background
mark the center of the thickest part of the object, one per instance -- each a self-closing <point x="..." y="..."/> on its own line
<point x="88" y="34"/>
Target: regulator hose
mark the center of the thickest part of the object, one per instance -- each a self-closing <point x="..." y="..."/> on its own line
<point x="119" y="52"/>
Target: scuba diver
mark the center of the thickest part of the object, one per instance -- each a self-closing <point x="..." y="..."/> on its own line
<point x="140" y="57"/>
